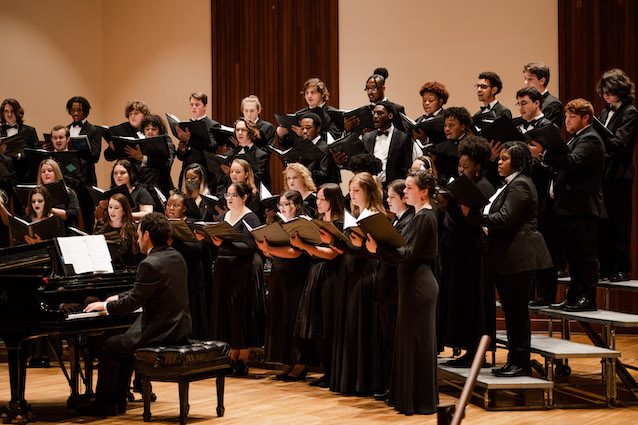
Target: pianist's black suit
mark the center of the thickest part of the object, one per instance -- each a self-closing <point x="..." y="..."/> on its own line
<point x="614" y="246"/>
<point x="161" y="288"/>
<point x="399" y="153"/>
<point x="578" y="203"/>
<point x="553" y="109"/>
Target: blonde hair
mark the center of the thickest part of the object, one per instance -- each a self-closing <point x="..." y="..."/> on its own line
<point x="250" y="174"/>
<point x="250" y="99"/>
<point x="371" y="187"/>
<point x="56" y="170"/>
<point x="304" y="173"/>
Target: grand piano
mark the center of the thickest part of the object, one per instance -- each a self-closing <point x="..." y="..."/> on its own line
<point x="36" y="290"/>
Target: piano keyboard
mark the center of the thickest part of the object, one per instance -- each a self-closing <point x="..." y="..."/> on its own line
<point x="82" y="315"/>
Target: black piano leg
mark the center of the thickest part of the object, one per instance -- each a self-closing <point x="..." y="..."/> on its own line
<point x="18" y="408"/>
<point x="74" y="399"/>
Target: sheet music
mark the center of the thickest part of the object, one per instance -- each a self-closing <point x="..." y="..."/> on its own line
<point x="87" y="254"/>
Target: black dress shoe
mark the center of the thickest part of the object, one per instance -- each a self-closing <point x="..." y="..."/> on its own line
<point x="381" y="396"/>
<point x="559" y="306"/>
<point x="499" y="369"/>
<point x="620" y="277"/>
<point x="322" y="382"/>
<point x="539" y="302"/>
<point x="300" y="377"/>
<point x="99" y="409"/>
<point x="512" y="371"/>
<point x="240" y="368"/>
<point x="582" y="304"/>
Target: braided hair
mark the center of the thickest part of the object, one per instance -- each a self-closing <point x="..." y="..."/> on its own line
<point x="521" y="157"/>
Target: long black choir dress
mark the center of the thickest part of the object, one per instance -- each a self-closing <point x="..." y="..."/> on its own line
<point x="413" y="386"/>
<point x="285" y="287"/>
<point x="316" y="307"/>
<point x="238" y="305"/>
<point x="357" y="359"/>
<point x="466" y="296"/>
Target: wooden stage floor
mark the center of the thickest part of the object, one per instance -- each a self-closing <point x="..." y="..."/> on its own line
<point x="259" y="399"/>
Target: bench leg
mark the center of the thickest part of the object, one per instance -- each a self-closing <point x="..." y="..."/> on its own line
<point x="220" y="395"/>
<point x="183" y="401"/>
<point x="146" y="396"/>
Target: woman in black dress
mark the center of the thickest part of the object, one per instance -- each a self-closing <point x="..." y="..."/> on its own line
<point x="117" y="227"/>
<point x="299" y="178"/>
<point x="466" y="297"/>
<point x="289" y="270"/>
<point x="413" y="386"/>
<point x="196" y="186"/>
<point x="517" y="250"/>
<point x="238" y="300"/>
<point x="125" y="173"/>
<point x="316" y="309"/>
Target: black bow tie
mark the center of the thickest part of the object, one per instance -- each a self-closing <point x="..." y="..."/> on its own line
<point x="7" y="126"/>
<point x="384" y="133"/>
<point x="76" y="124"/>
<point x="485" y="108"/>
<point x="427" y="117"/>
<point x="612" y="108"/>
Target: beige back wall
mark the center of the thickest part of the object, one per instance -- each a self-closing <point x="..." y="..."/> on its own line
<point x="449" y="41"/>
<point x="112" y="51"/>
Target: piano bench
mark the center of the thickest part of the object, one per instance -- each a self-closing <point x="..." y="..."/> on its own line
<point x="183" y="364"/>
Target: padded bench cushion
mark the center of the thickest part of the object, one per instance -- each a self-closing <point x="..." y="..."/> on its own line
<point x="198" y="353"/>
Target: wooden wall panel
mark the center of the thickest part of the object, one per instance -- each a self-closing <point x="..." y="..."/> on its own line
<point x="595" y="36"/>
<point x="269" y="48"/>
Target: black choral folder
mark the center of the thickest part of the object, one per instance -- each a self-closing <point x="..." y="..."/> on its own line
<point x="466" y="193"/>
<point x="549" y="137"/>
<point x="502" y="130"/>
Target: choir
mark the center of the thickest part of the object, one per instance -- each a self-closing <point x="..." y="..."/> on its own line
<point x="346" y="297"/>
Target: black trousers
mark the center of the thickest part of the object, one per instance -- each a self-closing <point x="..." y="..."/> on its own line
<point x="614" y="244"/>
<point x="578" y="236"/>
<point x="114" y="372"/>
<point x="546" y="280"/>
<point x="514" y="291"/>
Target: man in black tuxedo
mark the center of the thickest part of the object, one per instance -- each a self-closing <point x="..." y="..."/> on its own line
<point x="621" y="118"/>
<point x="537" y="75"/>
<point x="316" y="94"/>
<point x="578" y="201"/>
<point x="489" y="84"/>
<point x="530" y="101"/>
<point x="250" y="109"/>
<point x="323" y="170"/>
<point x="189" y="154"/>
<point x="12" y="123"/>
<point x="134" y="111"/>
<point x="78" y="108"/>
<point x="389" y="144"/>
<point x="161" y="289"/>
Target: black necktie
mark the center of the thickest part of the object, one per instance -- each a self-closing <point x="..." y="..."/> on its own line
<point x="384" y="133"/>
<point x="76" y="124"/>
<point x="7" y="126"/>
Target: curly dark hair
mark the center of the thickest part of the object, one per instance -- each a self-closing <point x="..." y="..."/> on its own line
<point x="155" y="121"/>
<point x="86" y="106"/>
<point x="616" y="82"/>
<point x="17" y="110"/>
<point x="521" y="157"/>
<point x="476" y="148"/>
<point x="157" y="226"/>
<point x="493" y="78"/>
<point x="461" y="114"/>
<point x="437" y="88"/>
<point x="365" y="162"/>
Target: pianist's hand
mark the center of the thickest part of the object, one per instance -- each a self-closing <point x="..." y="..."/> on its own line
<point x="71" y="307"/>
<point x="96" y="306"/>
<point x="35" y="239"/>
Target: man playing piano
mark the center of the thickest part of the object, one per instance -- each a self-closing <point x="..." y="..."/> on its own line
<point x="161" y="289"/>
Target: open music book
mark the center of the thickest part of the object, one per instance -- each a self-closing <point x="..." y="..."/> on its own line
<point x="86" y="254"/>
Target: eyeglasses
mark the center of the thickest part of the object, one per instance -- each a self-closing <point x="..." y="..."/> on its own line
<point x="482" y="86"/>
<point x="523" y="103"/>
<point x="284" y="205"/>
<point x="371" y="89"/>
<point x="231" y="195"/>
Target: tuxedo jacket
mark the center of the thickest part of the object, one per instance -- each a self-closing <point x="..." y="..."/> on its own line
<point x="494" y="113"/>
<point x="553" y="110"/>
<point x="386" y="289"/>
<point x="161" y="289"/>
<point x="399" y="153"/>
<point x="267" y="133"/>
<point x="327" y="127"/>
<point x="577" y="176"/>
<point x="27" y="132"/>
<point x="619" y="148"/>
<point x="540" y="173"/>
<point x="324" y="170"/>
<point x="194" y="155"/>
<point x="95" y="140"/>
<point x="258" y="159"/>
<point x="515" y="244"/>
